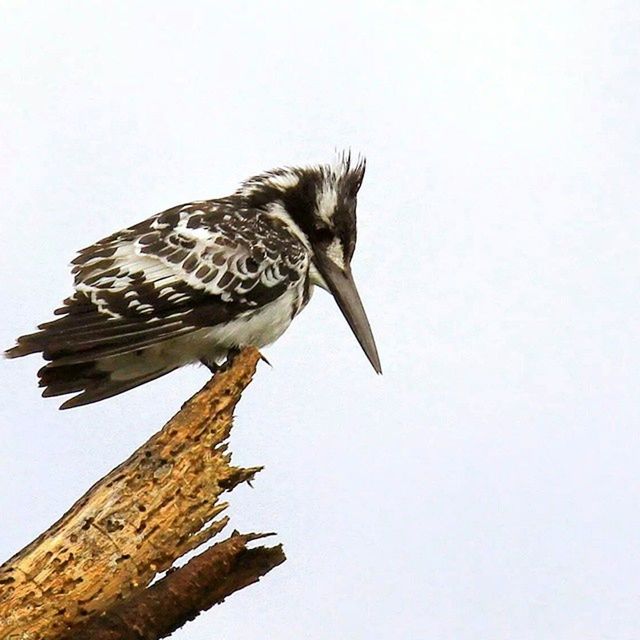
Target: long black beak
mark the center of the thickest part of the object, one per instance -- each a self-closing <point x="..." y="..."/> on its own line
<point x="343" y="288"/>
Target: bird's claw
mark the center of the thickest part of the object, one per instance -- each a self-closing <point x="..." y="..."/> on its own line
<point x="262" y="357"/>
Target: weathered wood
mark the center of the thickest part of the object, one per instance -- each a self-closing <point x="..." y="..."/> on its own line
<point x="207" y="579"/>
<point x="134" y="523"/>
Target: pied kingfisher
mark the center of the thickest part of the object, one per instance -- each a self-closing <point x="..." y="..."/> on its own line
<point x="204" y="279"/>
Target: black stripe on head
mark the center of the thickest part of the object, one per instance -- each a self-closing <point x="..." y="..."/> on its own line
<point x="300" y="190"/>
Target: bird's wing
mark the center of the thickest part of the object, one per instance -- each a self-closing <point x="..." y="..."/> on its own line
<point x="189" y="267"/>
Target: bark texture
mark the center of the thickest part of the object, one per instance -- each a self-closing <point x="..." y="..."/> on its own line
<point x="182" y="594"/>
<point x="149" y="511"/>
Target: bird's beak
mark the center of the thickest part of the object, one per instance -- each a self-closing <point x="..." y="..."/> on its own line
<point x="341" y="285"/>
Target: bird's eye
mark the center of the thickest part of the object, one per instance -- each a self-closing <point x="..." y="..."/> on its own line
<point x="324" y="235"/>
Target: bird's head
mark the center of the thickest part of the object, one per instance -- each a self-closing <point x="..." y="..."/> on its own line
<point x="318" y="203"/>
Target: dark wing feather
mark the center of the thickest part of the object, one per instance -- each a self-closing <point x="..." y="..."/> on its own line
<point x="99" y="336"/>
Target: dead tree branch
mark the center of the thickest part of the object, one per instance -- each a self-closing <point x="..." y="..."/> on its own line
<point x="161" y="503"/>
<point x="182" y="594"/>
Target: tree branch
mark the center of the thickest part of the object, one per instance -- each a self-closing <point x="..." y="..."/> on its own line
<point x="135" y="523"/>
<point x="157" y="611"/>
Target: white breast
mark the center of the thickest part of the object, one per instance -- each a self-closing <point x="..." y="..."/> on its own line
<point x="257" y="328"/>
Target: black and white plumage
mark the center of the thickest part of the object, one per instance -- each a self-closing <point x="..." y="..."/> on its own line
<point x="201" y="279"/>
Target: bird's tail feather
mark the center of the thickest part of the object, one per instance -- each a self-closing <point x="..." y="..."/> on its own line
<point x="93" y="379"/>
<point x="92" y="373"/>
<point x="97" y="355"/>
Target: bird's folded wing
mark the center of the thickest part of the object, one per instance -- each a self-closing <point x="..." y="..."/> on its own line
<point x="190" y="267"/>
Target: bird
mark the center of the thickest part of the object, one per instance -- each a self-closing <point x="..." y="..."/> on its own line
<point x="202" y="280"/>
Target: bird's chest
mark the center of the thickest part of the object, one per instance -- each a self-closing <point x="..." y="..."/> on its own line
<point x="260" y="327"/>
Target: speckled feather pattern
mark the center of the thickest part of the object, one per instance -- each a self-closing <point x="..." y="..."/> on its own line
<point x="184" y="260"/>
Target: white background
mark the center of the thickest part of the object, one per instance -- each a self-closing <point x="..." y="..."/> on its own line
<point x="486" y="487"/>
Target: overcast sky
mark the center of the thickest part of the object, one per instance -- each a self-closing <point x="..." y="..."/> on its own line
<point x="487" y="486"/>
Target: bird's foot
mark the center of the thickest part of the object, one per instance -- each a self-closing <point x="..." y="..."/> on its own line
<point x="263" y="358"/>
<point x="212" y="365"/>
<point x="231" y="356"/>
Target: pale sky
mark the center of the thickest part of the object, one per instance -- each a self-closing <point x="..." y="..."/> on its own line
<point x="487" y="486"/>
